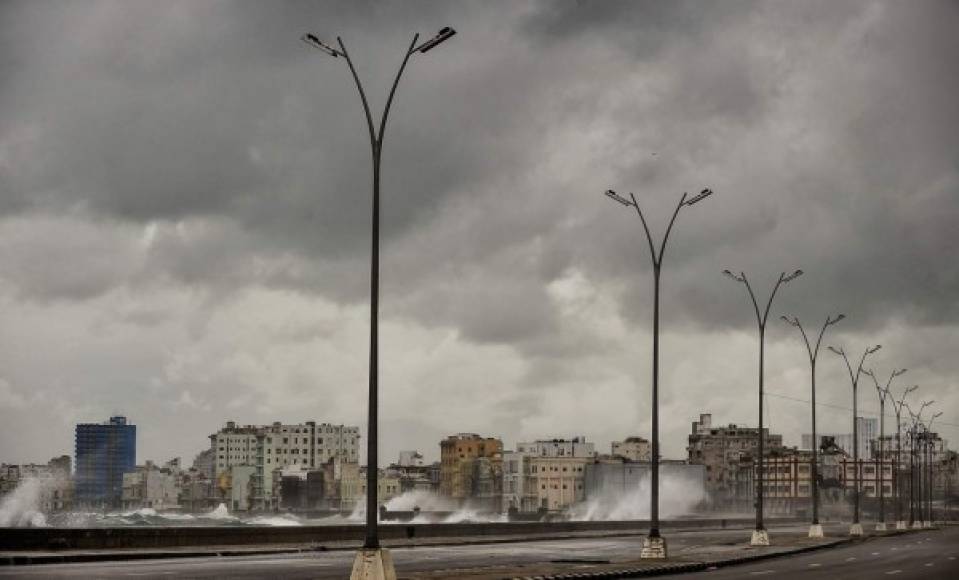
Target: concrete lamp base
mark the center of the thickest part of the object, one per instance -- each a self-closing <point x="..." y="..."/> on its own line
<point x="927" y="524"/>
<point x="881" y="527"/>
<point x="901" y="525"/>
<point x="653" y="548"/>
<point x="373" y="564"/>
<point x="815" y="531"/>
<point x="917" y="525"/>
<point x="855" y="530"/>
<point x="760" y="538"/>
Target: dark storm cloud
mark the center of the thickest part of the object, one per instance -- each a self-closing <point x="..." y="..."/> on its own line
<point x="152" y="148"/>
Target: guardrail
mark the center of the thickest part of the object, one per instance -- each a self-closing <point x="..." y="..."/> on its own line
<point x="186" y="536"/>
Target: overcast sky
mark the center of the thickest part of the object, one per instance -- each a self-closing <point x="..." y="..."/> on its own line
<point x="185" y="199"/>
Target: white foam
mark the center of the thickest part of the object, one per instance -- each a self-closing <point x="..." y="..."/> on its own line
<point x="275" y="521"/>
<point x="219" y="513"/>
<point x="22" y="509"/>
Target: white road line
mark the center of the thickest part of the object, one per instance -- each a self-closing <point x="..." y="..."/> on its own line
<point x="893" y="549"/>
<point x="815" y="565"/>
<point x="894" y="572"/>
<point x="875" y="553"/>
<point x="850" y="559"/>
<point x="928" y="564"/>
<point x="760" y="573"/>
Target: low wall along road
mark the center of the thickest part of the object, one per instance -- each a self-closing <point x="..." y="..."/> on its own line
<point x="167" y="537"/>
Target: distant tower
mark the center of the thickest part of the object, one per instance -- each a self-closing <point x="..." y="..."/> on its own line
<point x="104" y="452"/>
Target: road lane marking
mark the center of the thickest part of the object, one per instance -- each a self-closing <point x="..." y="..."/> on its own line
<point x="893" y="572"/>
<point x="815" y="565"/>
<point x="760" y="573"/>
<point x="850" y="559"/>
<point x="875" y="553"/>
<point x="893" y="549"/>
<point x="928" y="564"/>
<point x="952" y="557"/>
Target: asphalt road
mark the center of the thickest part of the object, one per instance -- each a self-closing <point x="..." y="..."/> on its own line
<point x="928" y="555"/>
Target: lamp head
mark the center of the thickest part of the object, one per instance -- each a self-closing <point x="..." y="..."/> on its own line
<point x="739" y="278"/>
<point x="318" y="44"/>
<point x="699" y="197"/>
<point x="616" y="197"/>
<point x="835" y="320"/>
<point x="442" y="36"/>
<point x="899" y="372"/>
<point x="838" y="351"/>
<point x="873" y="349"/>
<point x="792" y="276"/>
<point x="793" y="321"/>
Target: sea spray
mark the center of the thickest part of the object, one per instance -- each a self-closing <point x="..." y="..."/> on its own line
<point x="426" y="501"/>
<point x="22" y="508"/>
<point x="678" y="496"/>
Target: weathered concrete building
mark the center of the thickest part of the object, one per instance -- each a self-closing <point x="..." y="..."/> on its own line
<point x="546" y="474"/>
<point x="632" y="449"/>
<point x="150" y="486"/>
<point x="276" y="447"/>
<point x="720" y="449"/>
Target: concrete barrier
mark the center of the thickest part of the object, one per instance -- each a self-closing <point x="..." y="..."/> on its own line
<point x="186" y="536"/>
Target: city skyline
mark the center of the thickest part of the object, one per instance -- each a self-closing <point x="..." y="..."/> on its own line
<point x="187" y="252"/>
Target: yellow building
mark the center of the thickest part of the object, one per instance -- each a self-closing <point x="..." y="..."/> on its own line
<point x="459" y="455"/>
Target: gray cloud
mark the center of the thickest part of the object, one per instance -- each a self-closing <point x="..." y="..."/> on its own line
<point x="164" y="167"/>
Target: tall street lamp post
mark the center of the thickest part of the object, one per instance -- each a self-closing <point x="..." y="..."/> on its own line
<point x="930" y="462"/>
<point x="815" y="529"/>
<point x="897" y="475"/>
<point x="856" y="528"/>
<point x="760" y="536"/>
<point x="654" y="545"/>
<point x="372" y="561"/>
<point x="883" y="395"/>
<point x="915" y="495"/>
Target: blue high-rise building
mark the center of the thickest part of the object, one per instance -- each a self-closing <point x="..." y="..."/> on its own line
<point x="105" y="451"/>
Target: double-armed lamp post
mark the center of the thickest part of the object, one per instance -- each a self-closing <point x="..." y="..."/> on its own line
<point x="760" y="536"/>
<point x="372" y="558"/>
<point x="654" y="546"/>
<point x="883" y="395"/>
<point x="856" y="528"/>
<point x="915" y="496"/>
<point x="815" y="528"/>
<point x="930" y="462"/>
<point x="897" y="472"/>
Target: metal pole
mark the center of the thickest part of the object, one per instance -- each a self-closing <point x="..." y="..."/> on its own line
<point x="912" y="477"/>
<point x="879" y="469"/>
<point x="654" y="465"/>
<point x="854" y="379"/>
<point x="655" y="542"/>
<point x="760" y="491"/>
<point x="897" y="472"/>
<point x="813" y="357"/>
<point x="855" y="459"/>
<point x="759" y="535"/>
<point x="376" y="147"/>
